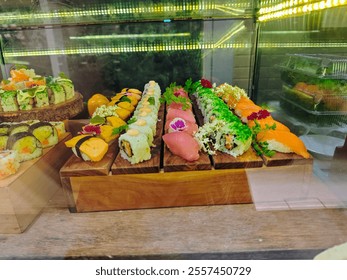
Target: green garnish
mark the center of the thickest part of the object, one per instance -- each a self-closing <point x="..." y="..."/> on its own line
<point x="132" y="120"/>
<point x="261" y="148"/>
<point x="169" y="97"/>
<point x="151" y="100"/>
<point x="118" y="130"/>
<point x="97" y="120"/>
<point x="124" y="99"/>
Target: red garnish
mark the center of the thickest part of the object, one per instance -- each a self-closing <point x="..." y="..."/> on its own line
<point x="262" y="114"/>
<point x="206" y="83"/>
<point x="180" y="92"/>
<point x="91" y="129"/>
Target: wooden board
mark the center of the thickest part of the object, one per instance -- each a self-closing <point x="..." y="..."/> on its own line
<point x="154" y="190"/>
<point x="54" y="112"/>
<point x="123" y="166"/>
<point x="172" y="162"/>
<point x="247" y="160"/>
<point x="24" y="194"/>
<point x="283" y="159"/>
<point x="78" y="167"/>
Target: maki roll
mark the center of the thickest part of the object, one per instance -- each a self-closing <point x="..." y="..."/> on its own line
<point x="4" y="128"/>
<point x="9" y="163"/>
<point x="3" y="141"/>
<point x="67" y="86"/>
<point x="8" y="100"/>
<point x="26" y="144"/>
<point x="56" y="93"/>
<point x="25" y="99"/>
<point x="45" y="132"/>
<point x="41" y="96"/>
<point x="18" y="127"/>
<point x="141" y="126"/>
<point x="134" y="146"/>
<point x="60" y="127"/>
<point x="87" y="147"/>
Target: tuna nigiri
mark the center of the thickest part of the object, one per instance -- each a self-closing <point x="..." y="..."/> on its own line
<point x="179" y="124"/>
<point x="177" y="113"/>
<point x="283" y="141"/>
<point x="183" y="145"/>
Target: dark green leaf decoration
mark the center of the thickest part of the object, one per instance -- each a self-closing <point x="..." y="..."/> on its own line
<point x="120" y="129"/>
<point x="261" y="148"/>
<point x="124" y="99"/>
<point x="97" y="120"/>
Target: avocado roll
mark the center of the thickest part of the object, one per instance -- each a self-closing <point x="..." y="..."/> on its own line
<point x="25" y="99"/>
<point x="56" y="93"/>
<point x="41" y="96"/>
<point x="18" y="127"/>
<point x="3" y="141"/>
<point x="8" y="100"/>
<point x="134" y="146"/>
<point x="68" y="87"/>
<point x="26" y="144"/>
<point x="4" y="128"/>
<point x="45" y="132"/>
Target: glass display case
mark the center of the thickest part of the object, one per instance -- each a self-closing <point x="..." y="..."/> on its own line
<point x="289" y="58"/>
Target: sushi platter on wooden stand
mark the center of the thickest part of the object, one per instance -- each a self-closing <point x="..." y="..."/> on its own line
<point x="165" y="180"/>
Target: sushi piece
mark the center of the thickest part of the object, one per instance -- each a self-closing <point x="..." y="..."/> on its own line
<point x="179" y="124"/>
<point x="142" y="127"/>
<point x="25" y="99"/>
<point x="184" y="114"/>
<point x="283" y="141"/>
<point x="67" y="86"/>
<point x="56" y="93"/>
<point x="26" y="144"/>
<point x="8" y="100"/>
<point x="45" y="132"/>
<point x="41" y="96"/>
<point x="4" y="128"/>
<point x="9" y="163"/>
<point x="3" y="141"/>
<point x="106" y="133"/>
<point x="267" y="122"/>
<point x="115" y="121"/>
<point x="18" y="127"/>
<point x="183" y="145"/>
<point x="134" y="146"/>
<point x="60" y="127"/>
<point x="88" y="148"/>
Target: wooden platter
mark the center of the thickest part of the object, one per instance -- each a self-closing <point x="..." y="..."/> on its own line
<point x="164" y="181"/>
<point x="24" y="194"/>
<point x="57" y="112"/>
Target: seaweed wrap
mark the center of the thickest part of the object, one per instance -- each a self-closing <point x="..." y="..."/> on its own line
<point x="3" y="141"/>
<point x="134" y="146"/>
<point x="45" y="132"/>
<point x="4" y="128"/>
<point x="18" y="127"/>
<point x="26" y="144"/>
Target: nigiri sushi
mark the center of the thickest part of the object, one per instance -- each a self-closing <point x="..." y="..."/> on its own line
<point x="179" y="124"/>
<point x="184" y="114"/>
<point x="283" y="141"/>
<point x="183" y="145"/>
<point x="269" y="121"/>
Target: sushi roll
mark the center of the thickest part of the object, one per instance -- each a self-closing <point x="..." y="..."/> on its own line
<point x="56" y="93"/>
<point x="141" y="126"/>
<point x="25" y="99"/>
<point x="18" y="127"/>
<point x="26" y="144"/>
<point x="8" y="99"/>
<point x="60" y="127"/>
<point x="45" y="132"/>
<point x="3" y="141"/>
<point x="41" y="96"/>
<point x="87" y="147"/>
<point x="9" y="163"/>
<point x="4" y="128"/>
<point x="134" y="146"/>
<point x="67" y="86"/>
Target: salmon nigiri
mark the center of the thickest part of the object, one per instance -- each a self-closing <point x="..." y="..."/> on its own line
<point x="269" y="121"/>
<point x="283" y="141"/>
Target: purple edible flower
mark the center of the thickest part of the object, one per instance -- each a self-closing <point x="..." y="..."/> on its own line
<point x="178" y="124"/>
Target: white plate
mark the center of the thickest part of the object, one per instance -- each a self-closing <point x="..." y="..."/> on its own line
<point x="322" y="145"/>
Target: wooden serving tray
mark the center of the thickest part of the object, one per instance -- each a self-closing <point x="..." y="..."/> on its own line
<point x="24" y="194"/>
<point x="57" y="112"/>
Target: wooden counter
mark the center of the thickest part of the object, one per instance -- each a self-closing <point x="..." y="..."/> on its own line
<point x="213" y="232"/>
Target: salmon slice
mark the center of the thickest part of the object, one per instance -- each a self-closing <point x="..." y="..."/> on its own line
<point x="268" y="121"/>
<point x="283" y="141"/>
